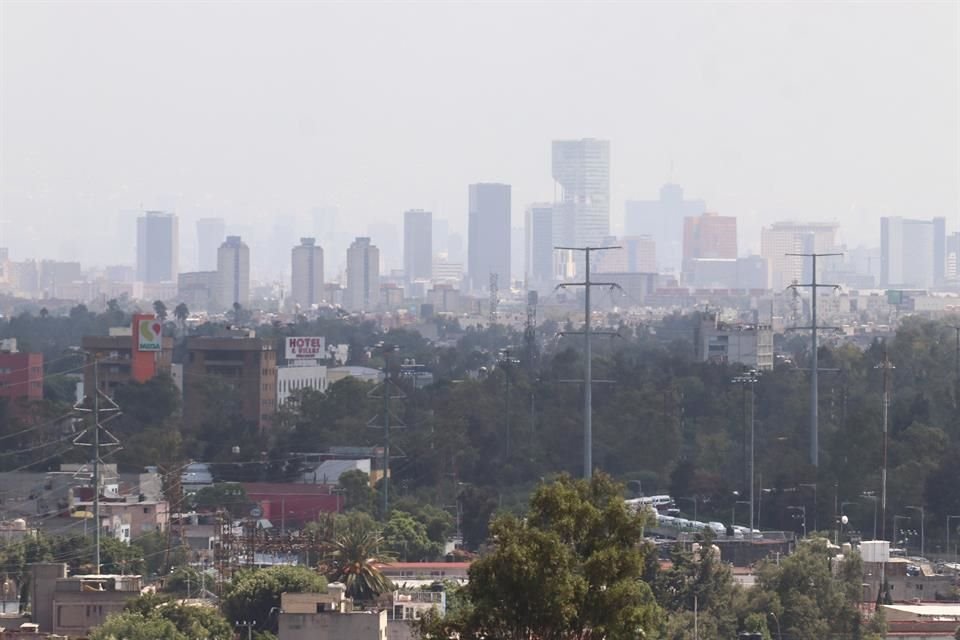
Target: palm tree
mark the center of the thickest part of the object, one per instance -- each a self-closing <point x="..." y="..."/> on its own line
<point x="160" y="309"/>
<point x="180" y="312"/>
<point x="352" y="559"/>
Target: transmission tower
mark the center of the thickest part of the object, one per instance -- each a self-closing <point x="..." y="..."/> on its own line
<point x="386" y="391"/>
<point x="814" y="399"/>
<point x="530" y="331"/>
<point x="587" y="284"/>
<point x="105" y="441"/>
<point x="494" y="296"/>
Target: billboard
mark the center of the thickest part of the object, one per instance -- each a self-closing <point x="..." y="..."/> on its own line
<point x="149" y="334"/>
<point x="306" y="348"/>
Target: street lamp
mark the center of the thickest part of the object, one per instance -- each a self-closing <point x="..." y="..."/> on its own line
<point x="875" y="500"/>
<point x="895" y="529"/>
<point x="803" y="514"/>
<point x="949" y="518"/>
<point x="777" y="620"/>
<point x="733" y="513"/>
<point x="751" y="378"/>
<point x="694" y="500"/>
<point x="922" y="535"/>
<point x="813" y="485"/>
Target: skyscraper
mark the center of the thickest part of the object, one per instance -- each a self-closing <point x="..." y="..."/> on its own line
<point x="708" y="237"/>
<point x="539" y="245"/>
<point x="782" y="238"/>
<point x="157" y="247"/>
<point x="488" y="241"/>
<point x="233" y="273"/>
<point x="582" y="169"/>
<point x="912" y="252"/>
<point x="306" y="269"/>
<point x="363" y="276"/>
<point x="210" y="233"/>
<point x="417" y="244"/>
<point x="662" y="220"/>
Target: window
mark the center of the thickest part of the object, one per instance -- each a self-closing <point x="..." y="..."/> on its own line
<point x="146" y="509"/>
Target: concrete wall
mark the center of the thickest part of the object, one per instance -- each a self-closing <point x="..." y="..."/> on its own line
<point x="362" y="625"/>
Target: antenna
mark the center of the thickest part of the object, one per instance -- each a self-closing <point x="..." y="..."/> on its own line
<point x="383" y="391"/>
<point x="588" y="356"/>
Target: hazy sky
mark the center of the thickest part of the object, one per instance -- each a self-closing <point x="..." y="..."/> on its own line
<point x="248" y="110"/>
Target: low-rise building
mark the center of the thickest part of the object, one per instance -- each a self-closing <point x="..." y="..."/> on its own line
<point x="73" y="605"/>
<point x="328" y="616"/>
<point x="749" y="345"/>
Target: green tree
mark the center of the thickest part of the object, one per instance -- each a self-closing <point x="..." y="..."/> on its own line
<point x="570" y="569"/>
<point x="227" y="495"/>
<point x="407" y="538"/>
<point x="357" y="492"/>
<point x="190" y="620"/>
<point x="136" y="626"/>
<point x="812" y="603"/>
<point x="255" y="594"/>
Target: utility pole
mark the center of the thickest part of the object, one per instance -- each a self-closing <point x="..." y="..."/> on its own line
<point x="386" y="395"/>
<point x="750" y="378"/>
<point x="507" y="361"/>
<point x="887" y="368"/>
<point x="814" y="400"/>
<point x="588" y="355"/>
<point x="111" y="441"/>
<point x="249" y="625"/>
<point x="956" y="374"/>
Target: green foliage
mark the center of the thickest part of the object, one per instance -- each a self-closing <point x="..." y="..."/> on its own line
<point x="136" y="626"/>
<point x="118" y="557"/>
<point x="406" y="537"/>
<point x="254" y="594"/>
<point x="357" y="492"/>
<point x="571" y="566"/>
<point x="191" y="621"/>
<point x="223" y="495"/>
<point x="809" y="601"/>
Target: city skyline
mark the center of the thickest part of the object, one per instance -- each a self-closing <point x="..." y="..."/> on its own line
<point x="812" y="129"/>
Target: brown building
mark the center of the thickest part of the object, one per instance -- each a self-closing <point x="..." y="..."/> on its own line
<point x="710" y="236"/>
<point x="72" y="606"/>
<point x="246" y="364"/>
<point x="120" y="361"/>
<point x="21" y="374"/>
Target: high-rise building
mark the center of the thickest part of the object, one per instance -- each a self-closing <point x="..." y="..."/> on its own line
<point x="912" y="252"/>
<point x="210" y="234"/>
<point x="582" y="170"/>
<point x="488" y="239"/>
<point x="417" y="244"/>
<point x="709" y="237"/>
<point x="158" y="247"/>
<point x="539" y="245"/>
<point x="306" y="269"/>
<point x="663" y="220"/>
<point x="246" y="367"/>
<point x="233" y="273"/>
<point x="363" y="276"/>
<point x="782" y="238"/>
<point x="636" y="254"/>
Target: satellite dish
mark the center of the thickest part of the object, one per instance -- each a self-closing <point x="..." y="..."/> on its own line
<point x="844" y="519"/>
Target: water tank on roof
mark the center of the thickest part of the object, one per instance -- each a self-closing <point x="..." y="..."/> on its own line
<point x="20" y="524"/>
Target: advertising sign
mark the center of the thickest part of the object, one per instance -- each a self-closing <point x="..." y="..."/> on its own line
<point x="306" y="348"/>
<point x="149" y="334"/>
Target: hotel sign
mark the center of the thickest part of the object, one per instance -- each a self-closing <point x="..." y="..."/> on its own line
<point x="306" y="348"/>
